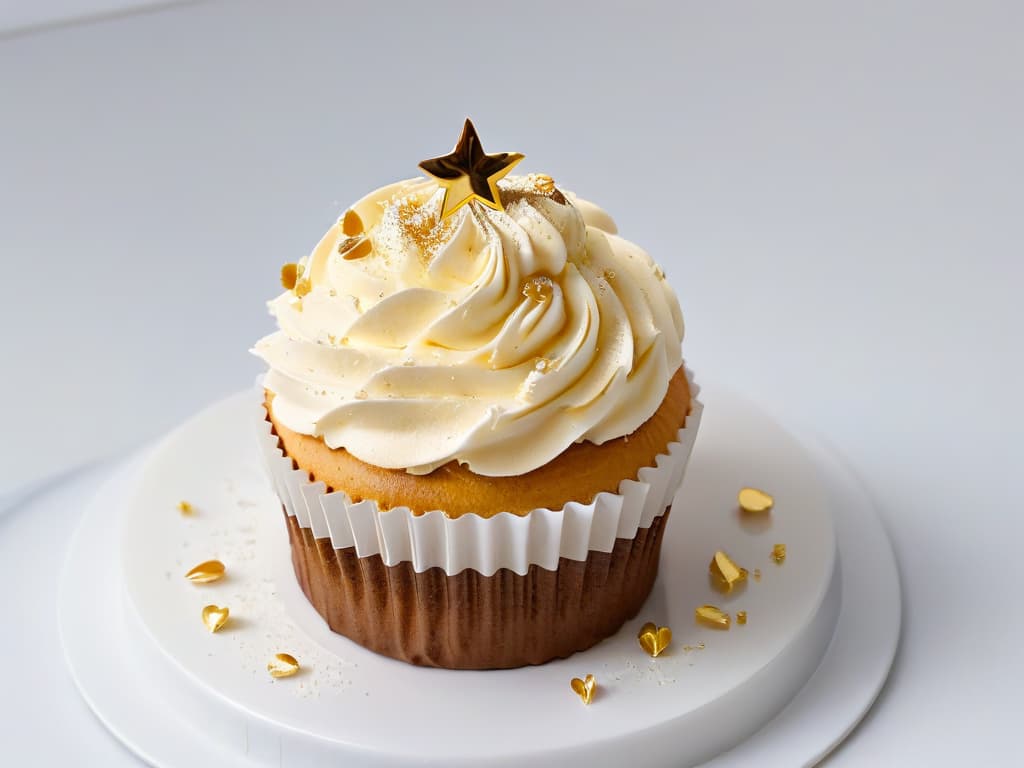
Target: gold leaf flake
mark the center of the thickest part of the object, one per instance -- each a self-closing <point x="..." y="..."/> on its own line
<point x="204" y="573"/>
<point x="725" y="574"/>
<point x="755" y="501"/>
<point x="538" y="289"/>
<point x="585" y="688"/>
<point x="303" y="286"/>
<point x="282" y="665"/>
<point x="185" y="508"/>
<point x="351" y="224"/>
<point x="352" y="248"/>
<point x="215" y="617"/>
<point x="779" y="554"/>
<point x="711" y="616"/>
<point x="542" y="183"/>
<point x="741" y="617"/>
<point x="654" y="639"/>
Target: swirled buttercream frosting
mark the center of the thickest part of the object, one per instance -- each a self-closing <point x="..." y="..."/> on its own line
<point x="494" y="338"/>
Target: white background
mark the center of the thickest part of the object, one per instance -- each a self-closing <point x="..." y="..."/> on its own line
<point x="835" y="190"/>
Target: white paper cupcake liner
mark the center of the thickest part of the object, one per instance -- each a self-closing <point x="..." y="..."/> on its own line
<point x="505" y="540"/>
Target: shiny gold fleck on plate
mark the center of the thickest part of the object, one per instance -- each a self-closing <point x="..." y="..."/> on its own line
<point x="779" y="554"/>
<point x="215" y="617"/>
<point x="185" y="508"/>
<point x="725" y="574"/>
<point x="351" y="224"/>
<point x="741" y="617"/>
<point x="585" y="688"/>
<point x="755" y="501"/>
<point x="712" y="616"/>
<point x="654" y="639"/>
<point x="282" y="665"/>
<point x="204" y="573"/>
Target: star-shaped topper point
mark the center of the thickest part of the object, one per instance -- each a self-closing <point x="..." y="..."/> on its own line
<point x="468" y="173"/>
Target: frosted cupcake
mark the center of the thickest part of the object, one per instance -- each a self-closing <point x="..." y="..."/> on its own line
<point x="476" y="417"/>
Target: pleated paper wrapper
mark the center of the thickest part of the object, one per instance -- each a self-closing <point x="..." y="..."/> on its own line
<point x="503" y="541"/>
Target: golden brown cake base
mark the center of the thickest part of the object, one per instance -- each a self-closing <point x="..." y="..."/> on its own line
<point x="471" y="621"/>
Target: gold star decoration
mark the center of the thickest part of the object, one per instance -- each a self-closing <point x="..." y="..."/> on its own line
<point x="468" y="173"/>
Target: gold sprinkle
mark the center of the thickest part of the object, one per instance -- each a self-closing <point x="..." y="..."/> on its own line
<point x="585" y="688"/>
<point x="741" y="617"/>
<point x="713" y="617"/>
<point x="290" y="274"/>
<point x="725" y="574"/>
<point x="757" y="574"/>
<point x="215" y="617"/>
<point x="351" y="224"/>
<point x="302" y="287"/>
<point x="609" y="274"/>
<point x="541" y="364"/>
<point x="542" y="183"/>
<point x="185" y="508"/>
<point x="654" y="639"/>
<point x="779" y="554"/>
<point x="755" y="501"/>
<point x="204" y="573"/>
<point x="538" y="289"/>
<point x="282" y="665"/>
<point x="361" y="395"/>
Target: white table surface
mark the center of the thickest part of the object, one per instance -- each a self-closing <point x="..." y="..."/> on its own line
<point x="835" y="190"/>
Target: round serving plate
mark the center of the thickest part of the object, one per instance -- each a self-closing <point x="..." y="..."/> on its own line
<point x="786" y="686"/>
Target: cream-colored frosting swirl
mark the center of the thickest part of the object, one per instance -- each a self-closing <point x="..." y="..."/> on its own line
<point x="493" y="338"/>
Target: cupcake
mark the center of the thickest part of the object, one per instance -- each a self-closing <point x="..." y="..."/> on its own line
<point x="476" y="416"/>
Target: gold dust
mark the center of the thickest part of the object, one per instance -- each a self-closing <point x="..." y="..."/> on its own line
<point x="741" y="617"/>
<point x="215" y="617"/>
<point x="185" y="508"/>
<point x="654" y="639"/>
<point x="538" y="289"/>
<point x="290" y="274"/>
<point x="755" y="501"/>
<point x="282" y="665"/>
<point x="757" y="574"/>
<point x="421" y="226"/>
<point x="725" y="574"/>
<point x="351" y="224"/>
<point x="712" y="616"/>
<point x="204" y="573"/>
<point x="585" y="688"/>
<point x="779" y="554"/>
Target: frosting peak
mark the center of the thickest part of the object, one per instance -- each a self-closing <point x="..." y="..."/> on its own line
<point x="493" y="338"/>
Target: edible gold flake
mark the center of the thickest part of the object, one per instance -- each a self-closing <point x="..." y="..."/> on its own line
<point x="609" y="274"/>
<point x="755" y="501"/>
<point x="351" y="224"/>
<point x="713" y="617"/>
<point x="541" y="364"/>
<point x="585" y="688"/>
<point x="779" y="554"/>
<point x="204" y="573"/>
<point x="741" y="617"/>
<point x="543" y="183"/>
<point x="185" y="508"/>
<point x="282" y="665"/>
<point x="538" y="289"/>
<point x="353" y="248"/>
<point x="290" y="274"/>
<point x="654" y="639"/>
<point x="725" y="574"/>
<point x="302" y="287"/>
<point x="215" y="617"/>
<point x="468" y="173"/>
